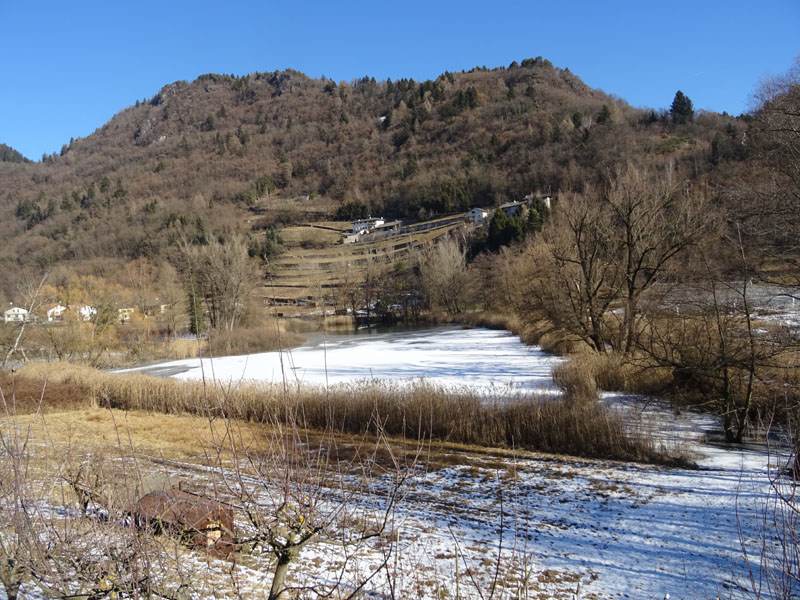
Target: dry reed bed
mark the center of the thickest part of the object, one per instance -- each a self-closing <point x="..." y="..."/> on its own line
<point x="421" y="411"/>
<point x="267" y="338"/>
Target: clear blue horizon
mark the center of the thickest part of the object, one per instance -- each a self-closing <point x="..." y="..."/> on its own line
<point x="71" y="67"/>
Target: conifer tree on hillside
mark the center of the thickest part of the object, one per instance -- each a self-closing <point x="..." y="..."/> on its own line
<point x="681" y="110"/>
<point x="8" y="154"/>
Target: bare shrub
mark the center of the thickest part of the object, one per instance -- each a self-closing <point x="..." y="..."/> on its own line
<point x="632" y="373"/>
<point x="62" y="519"/>
<point x="559" y="343"/>
<point x="23" y="395"/>
<point x="295" y="491"/>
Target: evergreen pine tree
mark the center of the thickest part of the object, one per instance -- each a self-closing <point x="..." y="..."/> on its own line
<point x="682" y="110"/>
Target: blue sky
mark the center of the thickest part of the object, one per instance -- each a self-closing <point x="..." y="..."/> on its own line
<point x="70" y="66"/>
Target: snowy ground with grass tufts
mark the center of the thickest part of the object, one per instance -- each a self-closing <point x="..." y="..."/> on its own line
<point x="532" y="525"/>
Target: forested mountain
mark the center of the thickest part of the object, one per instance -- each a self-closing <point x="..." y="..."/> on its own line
<point x="227" y="153"/>
<point x="8" y="154"/>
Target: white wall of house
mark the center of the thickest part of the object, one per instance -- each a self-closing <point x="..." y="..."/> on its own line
<point x="55" y="312"/>
<point x="15" y="314"/>
<point x="366" y="224"/>
<point x="477" y="215"/>
<point x="87" y="312"/>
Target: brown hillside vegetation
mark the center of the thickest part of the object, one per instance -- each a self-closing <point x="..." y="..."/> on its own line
<point x="226" y="153"/>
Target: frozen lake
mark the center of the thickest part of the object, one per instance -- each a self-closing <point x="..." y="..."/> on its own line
<point x="487" y="360"/>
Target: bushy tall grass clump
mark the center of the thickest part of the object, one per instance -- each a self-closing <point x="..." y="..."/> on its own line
<point x="420" y="411"/>
<point x="267" y="338"/>
<point x="577" y="380"/>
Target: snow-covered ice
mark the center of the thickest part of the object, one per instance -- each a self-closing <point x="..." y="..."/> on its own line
<point x="492" y="361"/>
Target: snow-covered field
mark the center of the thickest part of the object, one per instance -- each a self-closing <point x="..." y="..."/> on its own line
<point x="536" y="527"/>
<point x="623" y="531"/>
<point x="619" y="530"/>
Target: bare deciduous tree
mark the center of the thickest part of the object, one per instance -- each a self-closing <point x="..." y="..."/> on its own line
<point x="576" y="275"/>
<point x="445" y="276"/>
<point x="653" y="222"/>
<point x="31" y="290"/>
<point x="225" y="276"/>
<point x="604" y="251"/>
<point x="297" y="490"/>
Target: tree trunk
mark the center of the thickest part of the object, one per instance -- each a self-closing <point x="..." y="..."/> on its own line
<point x="796" y="463"/>
<point x="630" y="322"/>
<point x="12" y="591"/>
<point x="278" y="589"/>
<point x="10" y="577"/>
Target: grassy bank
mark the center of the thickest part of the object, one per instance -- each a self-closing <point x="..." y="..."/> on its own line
<point x="422" y="411"/>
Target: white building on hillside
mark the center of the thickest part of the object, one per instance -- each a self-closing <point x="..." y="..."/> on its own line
<point x="15" y="314"/>
<point x="367" y="224"/>
<point x="56" y="313"/>
<point x="87" y="312"/>
<point x="477" y="215"/>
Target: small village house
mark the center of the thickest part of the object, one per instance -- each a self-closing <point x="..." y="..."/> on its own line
<point x="514" y="208"/>
<point x="125" y="314"/>
<point x="55" y="312"/>
<point x="87" y="312"/>
<point x="15" y="314"/>
<point x="477" y="215"/>
<point x="153" y="308"/>
<point x="367" y="225"/>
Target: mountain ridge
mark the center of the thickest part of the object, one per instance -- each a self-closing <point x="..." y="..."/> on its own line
<point x="198" y="158"/>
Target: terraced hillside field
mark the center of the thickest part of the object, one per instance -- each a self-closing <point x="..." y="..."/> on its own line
<point x="317" y="266"/>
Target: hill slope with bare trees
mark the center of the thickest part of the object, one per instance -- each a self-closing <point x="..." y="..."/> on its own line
<point x="226" y="153"/>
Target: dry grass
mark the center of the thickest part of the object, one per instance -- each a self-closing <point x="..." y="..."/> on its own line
<point x="24" y="395"/>
<point x="632" y="373"/>
<point x="535" y="332"/>
<point x="266" y="338"/>
<point x="326" y="323"/>
<point x="310" y="264"/>
<point x="309" y="236"/>
<point x="577" y="379"/>
<point x="181" y="437"/>
<point x="491" y="320"/>
<point x="176" y="350"/>
<point x="585" y="373"/>
<point x="421" y="412"/>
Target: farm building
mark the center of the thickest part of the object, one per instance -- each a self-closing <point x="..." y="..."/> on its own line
<point x="87" y="312"/>
<point x="367" y="224"/>
<point x="513" y="208"/>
